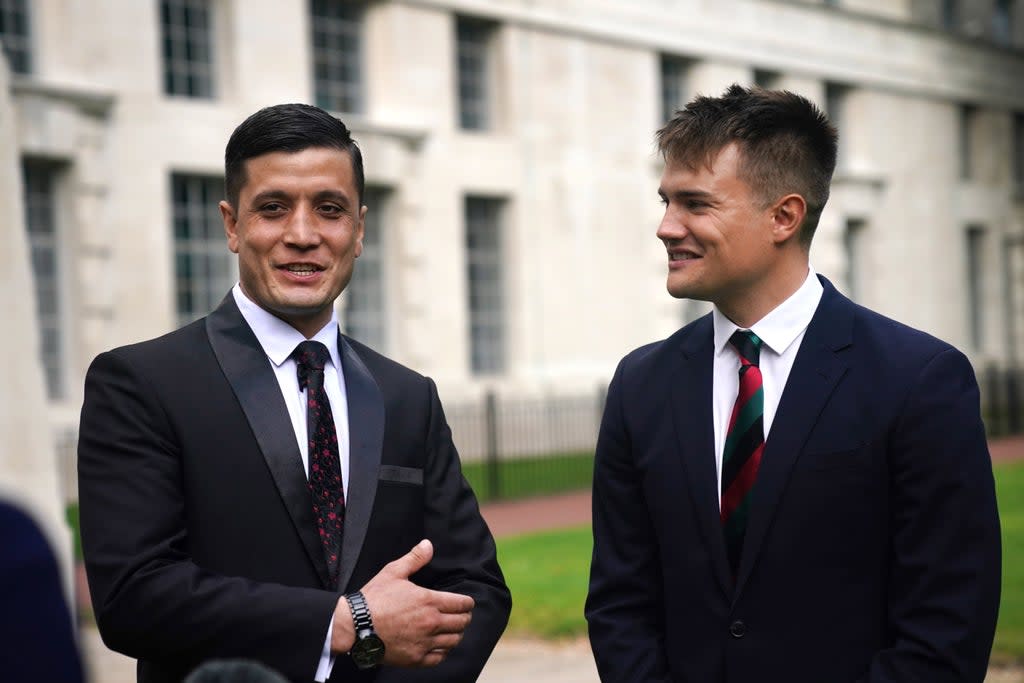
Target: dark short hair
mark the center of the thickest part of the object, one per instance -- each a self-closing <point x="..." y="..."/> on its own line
<point x="787" y="145"/>
<point x="234" y="671"/>
<point x="286" y="128"/>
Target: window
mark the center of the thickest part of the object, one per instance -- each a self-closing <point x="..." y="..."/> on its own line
<point x="14" y="34"/>
<point x="365" y="296"/>
<point x="337" y="54"/>
<point x="187" y="33"/>
<point x="835" y="109"/>
<point x="475" y="71"/>
<point x="965" y="139"/>
<point x="1002" y="22"/>
<point x="766" y="79"/>
<point x="950" y="18"/>
<point x="40" y="179"/>
<point x="675" y="87"/>
<point x="975" y="290"/>
<point x="204" y="269"/>
<point x="485" y="285"/>
<point x="1018" y="153"/>
<point x="853" y="245"/>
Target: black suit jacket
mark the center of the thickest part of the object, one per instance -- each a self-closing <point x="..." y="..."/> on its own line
<point x="872" y="552"/>
<point x="196" y="517"/>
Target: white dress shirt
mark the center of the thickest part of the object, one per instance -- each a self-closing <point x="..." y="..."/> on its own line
<point x="782" y="332"/>
<point x="279" y="340"/>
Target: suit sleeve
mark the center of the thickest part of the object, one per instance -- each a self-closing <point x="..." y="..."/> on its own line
<point x="943" y="592"/>
<point x="624" y="602"/>
<point x="151" y="600"/>
<point x="465" y="558"/>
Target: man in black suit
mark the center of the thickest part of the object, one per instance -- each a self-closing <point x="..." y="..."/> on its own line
<point x="791" y="488"/>
<point x="251" y="484"/>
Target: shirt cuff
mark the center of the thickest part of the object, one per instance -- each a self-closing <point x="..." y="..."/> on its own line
<point x="323" y="669"/>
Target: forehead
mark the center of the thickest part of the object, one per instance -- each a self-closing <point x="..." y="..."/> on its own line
<point x="313" y="166"/>
<point x="721" y="168"/>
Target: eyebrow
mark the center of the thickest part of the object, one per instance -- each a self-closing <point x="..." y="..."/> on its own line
<point x="281" y="195"/>
<point x="683" y="195"/>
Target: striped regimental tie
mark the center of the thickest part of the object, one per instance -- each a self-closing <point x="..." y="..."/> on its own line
<point x="744" y="444"/>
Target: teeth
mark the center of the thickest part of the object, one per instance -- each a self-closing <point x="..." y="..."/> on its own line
<point x="300" y="269"/>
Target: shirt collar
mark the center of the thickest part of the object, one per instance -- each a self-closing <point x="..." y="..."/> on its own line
<point x="277" y="337"/>
<point x="783" y="324"/>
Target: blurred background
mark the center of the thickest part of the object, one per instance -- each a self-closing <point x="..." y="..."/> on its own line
<point x="512" y="191"/>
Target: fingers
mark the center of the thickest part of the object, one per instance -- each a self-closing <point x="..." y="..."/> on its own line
<point x="413" y="561"/>
<point x="452" y="623"/>
<point x="452" y="603"/>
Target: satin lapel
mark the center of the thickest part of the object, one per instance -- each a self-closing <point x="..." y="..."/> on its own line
<point x="248" y="371"/>
<point x="366" y="441"/>
<point x="690" y="384"/>
<point x="816" y="372"/>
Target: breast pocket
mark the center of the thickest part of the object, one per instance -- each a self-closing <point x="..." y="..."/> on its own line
<point x="396" y="474"/>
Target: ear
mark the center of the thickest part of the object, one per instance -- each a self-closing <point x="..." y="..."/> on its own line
<point x="360" y="231"/>
<point x="230" y="219"/>
<point x="787" y="216"/>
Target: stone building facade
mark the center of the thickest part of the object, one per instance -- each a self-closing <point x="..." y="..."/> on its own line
<point x="510" y="158"/>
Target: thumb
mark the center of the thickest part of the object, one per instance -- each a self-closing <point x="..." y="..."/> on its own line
<point x="414" y="560"/>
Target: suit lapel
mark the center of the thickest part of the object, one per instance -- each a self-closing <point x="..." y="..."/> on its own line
<point x="816" y="372"/>
<point x="366" y="442"/>
<point x="691" y="384"/>
<point x="248" y="371"/>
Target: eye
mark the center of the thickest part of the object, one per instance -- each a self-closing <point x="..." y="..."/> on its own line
<point x="271" y="208"/>
<point x="331" y="210"/>
<point x="663" y="200"/>
<point x="696" y="205"/>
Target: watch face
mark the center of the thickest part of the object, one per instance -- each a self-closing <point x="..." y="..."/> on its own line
<point x="368" y="650"/>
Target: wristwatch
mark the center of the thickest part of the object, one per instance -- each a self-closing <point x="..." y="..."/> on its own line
<point x="368" y="650"/>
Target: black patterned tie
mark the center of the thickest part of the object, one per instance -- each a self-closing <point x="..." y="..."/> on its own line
<point x="324" y="462"/>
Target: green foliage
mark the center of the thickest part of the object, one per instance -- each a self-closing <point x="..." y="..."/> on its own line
<point x="1010" y="493"/>
<point x="547" y="574"/>
<point x="71" y="514"/>
<point x="522" y="477"/>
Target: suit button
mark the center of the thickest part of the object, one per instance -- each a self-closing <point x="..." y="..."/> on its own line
<point x="738" y="629"/>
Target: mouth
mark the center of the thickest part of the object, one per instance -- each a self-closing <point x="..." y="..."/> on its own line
<point x="678" y="256"/>
<point x="301" y="270"/>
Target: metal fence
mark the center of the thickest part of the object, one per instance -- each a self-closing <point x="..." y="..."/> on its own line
<point x="1002" y="400"/>
<point x="517" y="447"/>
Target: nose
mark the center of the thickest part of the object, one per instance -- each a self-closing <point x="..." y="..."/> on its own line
<point x="672" y="227"/>
<point x="302" y="229"/>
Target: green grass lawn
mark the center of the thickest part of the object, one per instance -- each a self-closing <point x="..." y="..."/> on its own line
<point x="548" y="574"/>
<point x="1010" y="631"/>
<point x="532" y="476"/>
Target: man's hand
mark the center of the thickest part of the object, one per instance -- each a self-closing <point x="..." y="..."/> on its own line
<point x="418" y="625"/>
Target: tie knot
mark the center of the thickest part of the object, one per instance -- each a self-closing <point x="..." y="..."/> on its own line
<point x="310" y="356"/>
<point x="747" y="344"/>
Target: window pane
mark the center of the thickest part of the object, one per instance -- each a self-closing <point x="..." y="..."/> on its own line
<point x="41" y="223"/>
<point x="14" y="34"/>
<point x="337" y="54"/>
<point x="365" y="298"/>
<point x="204" y="269"/>
<point x="472" y="58"/>
<point x="187" y="45"/>
<point x="485" y="284"/>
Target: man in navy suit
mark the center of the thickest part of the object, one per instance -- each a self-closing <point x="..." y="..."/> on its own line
<point x="251" y="484"/>
<point x="791" y="488"/>
<point x="37" y="640"/>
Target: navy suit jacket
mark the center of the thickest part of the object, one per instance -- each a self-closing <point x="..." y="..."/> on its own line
<point x="37" y="642"/>
<point x="196" y="518"/>
<point x="872" y="552"/>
